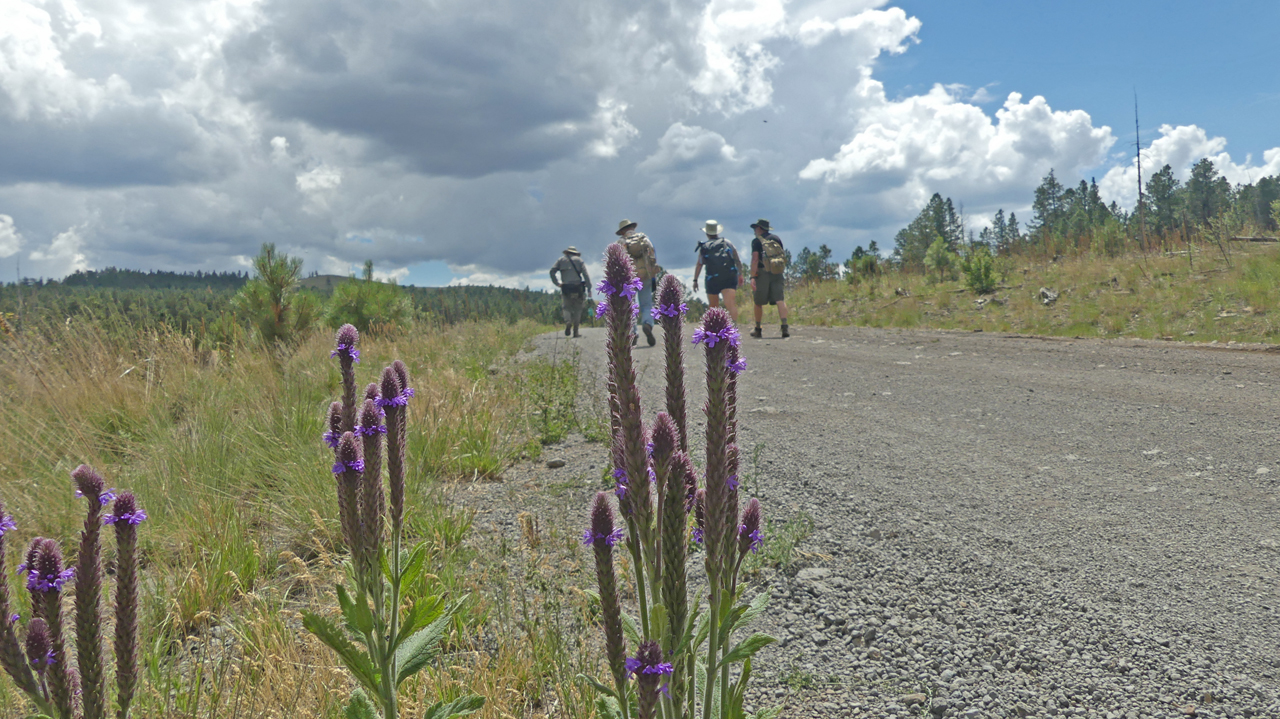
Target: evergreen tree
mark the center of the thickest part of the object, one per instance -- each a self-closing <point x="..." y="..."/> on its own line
<point x="1163" y="201"/>
<point x="1208" y="194"/>
<point x="271" y="300"/>
<point x="937" y="221"/>
<point x="1048" y="209"/>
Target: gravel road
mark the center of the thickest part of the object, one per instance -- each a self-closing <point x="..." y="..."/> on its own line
<point x="1007" y="526"/>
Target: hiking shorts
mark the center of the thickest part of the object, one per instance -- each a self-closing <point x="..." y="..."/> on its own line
<point x="719" y="283"/>
<point x="768" y="289"/>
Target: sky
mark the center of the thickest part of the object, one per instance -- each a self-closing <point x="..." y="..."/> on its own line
<point x="470" y="141"/>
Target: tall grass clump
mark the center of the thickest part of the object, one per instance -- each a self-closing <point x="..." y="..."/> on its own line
<point x="682" y="656"/>
<point x="42" y="665"/>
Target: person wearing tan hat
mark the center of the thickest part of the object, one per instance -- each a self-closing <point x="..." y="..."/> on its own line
<point x="575" y="286"/>
<point x="645" y="260"/>
<point x="768" y="262"/>
<point x="720" y="258"/>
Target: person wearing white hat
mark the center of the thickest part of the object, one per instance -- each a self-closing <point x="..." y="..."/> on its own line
<point x="574" y="284"/>
<point x="720" y="258"/>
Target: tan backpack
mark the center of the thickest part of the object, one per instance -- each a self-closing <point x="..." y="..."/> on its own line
<point x="775" y="258"/>
<point x="637" y="246"/>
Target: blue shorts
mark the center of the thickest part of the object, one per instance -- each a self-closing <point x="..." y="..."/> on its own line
<point x="719" y="283"/>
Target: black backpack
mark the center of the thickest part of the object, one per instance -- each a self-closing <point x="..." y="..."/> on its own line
<point x="717" y="257"/>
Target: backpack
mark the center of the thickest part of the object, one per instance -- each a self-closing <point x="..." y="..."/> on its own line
<point x="775" y="258"/>
<point x="717" y="257"/>
<point x="578" y="269"/>
<point x="637" y="245"/>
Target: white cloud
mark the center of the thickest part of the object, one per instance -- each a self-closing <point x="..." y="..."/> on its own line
<point x="65" y="250"/>
<point x="1181" y="147"/>
<point x="684" y="148"/>
<point x="10" y="238"/>
<point x="615" y="131"/>
<point x="919" y="145"/>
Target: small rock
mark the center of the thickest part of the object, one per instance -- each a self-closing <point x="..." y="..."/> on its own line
<point x="1263" y="470"/>
<point x="811" y="574"/>
<point x="913" y="699"/>
<point x="555" y="463"/>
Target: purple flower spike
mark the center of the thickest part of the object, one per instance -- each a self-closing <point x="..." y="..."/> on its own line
<point x="371" y="390"/>
<point x="6" y="524"/>
<point x="737" y="367"/>
<point x="402" y="375"/>
<point x="88" y="483"/>
<point x="665" y="437"/>
<point x="346" y="341"/>
<point x="39" y="646"/>
<point x="44" y="567"/>
<point x="392" y="390"/>
<point x="649" y="670"/>
<point x="749" y="535"/>
<point x="335" y="425"/>
<point x="602" y="309"/>
<point x="349" y="459"/>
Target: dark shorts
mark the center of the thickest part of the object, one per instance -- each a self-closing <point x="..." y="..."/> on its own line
<point x="719" y="283"/>
<point x="769" y="289"/>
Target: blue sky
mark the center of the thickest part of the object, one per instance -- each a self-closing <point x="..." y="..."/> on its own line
<point x="469" y="142"/>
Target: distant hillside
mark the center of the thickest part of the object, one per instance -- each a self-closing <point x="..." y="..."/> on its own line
<point x="116" y="278"/>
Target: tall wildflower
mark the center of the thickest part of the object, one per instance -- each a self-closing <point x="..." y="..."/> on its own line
<point x="345" y="350"/>
<point x="669" y="313"/>
<point x="89" y="592"/>
<point x="669" y="659"/>
<point x="126" y="515"/>
<point x="45" y="580"/>
<point x="347" y="470"/>
<point x="11" y="655"/>
<point x="371" y="430"/>
<point x="393" y="401"/>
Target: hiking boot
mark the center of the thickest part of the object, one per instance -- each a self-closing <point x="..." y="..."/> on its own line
<point x="648" y="335"/>
<point x="785" y="333"/>
<point x="567" y="329"/>
<point x="757" y="332"/>
<point x="575" y="333"/>
<point x="634" y="339"/>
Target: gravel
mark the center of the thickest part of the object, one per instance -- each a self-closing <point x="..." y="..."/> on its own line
<point x="1008" y="526"/>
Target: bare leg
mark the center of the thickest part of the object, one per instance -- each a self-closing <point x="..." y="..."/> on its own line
<point x="731" y="303"/>
<point x="713" y="300"/>
<point x="759" y="313"/>
<point x="782" y="312"/>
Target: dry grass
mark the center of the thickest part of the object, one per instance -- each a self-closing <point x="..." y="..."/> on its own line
<point x="225" y="454"/>
<point x="1202" y="296"/>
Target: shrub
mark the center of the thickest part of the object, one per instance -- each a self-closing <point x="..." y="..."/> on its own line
<point x="940" y="259"/>
<point x="271" y="300"/>
<point x="367" y="305"/>
<point x="980" y="272"/>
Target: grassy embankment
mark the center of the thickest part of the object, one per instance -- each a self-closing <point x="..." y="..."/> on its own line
<point x="227" y="459"/>
<point x="1202" y="297"/>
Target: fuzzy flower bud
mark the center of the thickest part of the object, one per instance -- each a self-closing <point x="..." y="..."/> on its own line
<point x="370" y="420"/>
<point x="88" y="603"/>
<point x="749" y="536"/>
<point x="39" y="648"/>
<point x="346" y="340"/>
<point x="602" y="528"/>
<point x="90" y="484"/>
<point x="348" y="468"/>
<point x="402" y="375"/>
<point x="334" y="423"/>
<point x="127" y="515"/>
<point x="44" y="567"/>
<point x="650" y="671"/>
<point x="699" y="514"/>
<point x="665" y="442"/>
<point x="390" y="390"/>
<point x="45" y="579"/>
<point x="394" y="399"/>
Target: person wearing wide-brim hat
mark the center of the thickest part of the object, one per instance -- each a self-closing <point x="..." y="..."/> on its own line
<point x="768" y="262"/>
<point x="575" y="286"/>
<point x="645" y="260"/>
<point x="720" y="258"/>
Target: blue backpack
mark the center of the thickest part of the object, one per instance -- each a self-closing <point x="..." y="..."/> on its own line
<point x="718" y="258"/>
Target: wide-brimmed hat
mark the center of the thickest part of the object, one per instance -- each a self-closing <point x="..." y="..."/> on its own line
<point x="712" y="227"/>
<point x="622" y="226"/>
<point x="762" y="224"/>
<point x="571" y="250"/>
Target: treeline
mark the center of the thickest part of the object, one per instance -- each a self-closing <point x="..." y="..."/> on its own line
<point x="1068" y="220"/>
<point x="204" y="306"/>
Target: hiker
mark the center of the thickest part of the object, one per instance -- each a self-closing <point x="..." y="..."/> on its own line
<point x="645" y="260"/>
<point x="721" y="260"/>
<point x="575" y="286"/>
<point x="768" y="262"/>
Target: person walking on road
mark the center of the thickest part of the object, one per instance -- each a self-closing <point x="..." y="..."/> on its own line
<point x="720" y="258"/>
<point x="575" y="287"/>
<point x="768" y="262"/>
<point x="645" y="260"/>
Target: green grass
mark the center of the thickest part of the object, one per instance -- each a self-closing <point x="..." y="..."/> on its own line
<point x="1211" y="297"/>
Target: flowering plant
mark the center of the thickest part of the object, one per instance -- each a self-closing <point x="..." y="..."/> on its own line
<point x="684" y="655"/>
<point x="397" y="642"/>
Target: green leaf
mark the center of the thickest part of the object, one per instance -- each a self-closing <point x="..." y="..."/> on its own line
<point x="469" y="704"/>
<point x="755" y="609"/>
<point x="422" y="613"/>
<point x="608" y="708"/>
<point x="595" y="684"/>
<point x="359" y="707"/>
<point x="770" y="713"/>
<point x="630" y="628"/>
<point x="357" y="662"/>
<point x="356" y="611"/>
<point x="747" y="648"/>
<point x="413" y="567"/>
<point x="418" y="650"/>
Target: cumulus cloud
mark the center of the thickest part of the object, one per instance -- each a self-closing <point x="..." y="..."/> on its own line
<point x="1181" y="147"/>
<point x="66" y="250"/>
<point x="10" y="238"/>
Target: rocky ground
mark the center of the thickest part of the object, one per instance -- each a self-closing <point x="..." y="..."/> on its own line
<point x="1002" y="526"/>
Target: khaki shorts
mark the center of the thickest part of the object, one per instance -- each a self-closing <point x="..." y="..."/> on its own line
<point x="769" y="289"/>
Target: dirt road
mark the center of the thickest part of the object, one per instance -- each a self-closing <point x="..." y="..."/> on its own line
<point x="1012" y="526"/>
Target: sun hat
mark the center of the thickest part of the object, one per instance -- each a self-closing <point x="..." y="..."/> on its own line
<point x="762" y="224"/>
<point x="571" y="250"/>
<point x="713" y="228"/>
<point x="622" y="226"/>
